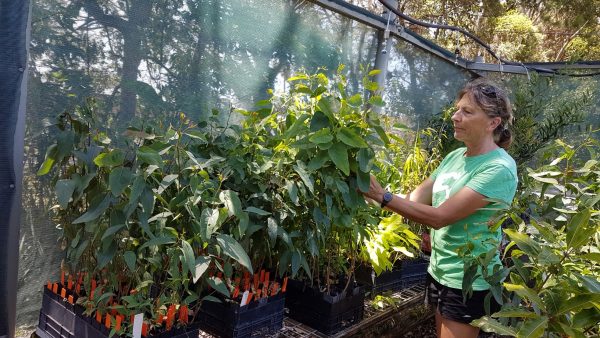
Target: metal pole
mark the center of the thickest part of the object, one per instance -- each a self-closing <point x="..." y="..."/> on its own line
<point x="384" y="47"/>
<point x="14" y="40"/>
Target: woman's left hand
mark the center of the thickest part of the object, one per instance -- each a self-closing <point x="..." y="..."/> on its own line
<point x="375" y="192"/>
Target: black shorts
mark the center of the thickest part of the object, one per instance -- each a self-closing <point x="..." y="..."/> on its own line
<point x="449" y="302"/>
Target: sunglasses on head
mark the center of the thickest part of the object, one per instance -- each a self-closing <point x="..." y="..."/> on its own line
<point x="489" y="91"/>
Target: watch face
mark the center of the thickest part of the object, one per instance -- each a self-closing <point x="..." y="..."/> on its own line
<point x="387" y="197"/>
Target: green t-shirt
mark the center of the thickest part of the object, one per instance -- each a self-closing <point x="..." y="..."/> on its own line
<point x="493" y="175"/>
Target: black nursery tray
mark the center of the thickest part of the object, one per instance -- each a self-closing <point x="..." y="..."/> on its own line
<point x="406" y="273"/>
<point x="60" y="319"/>
<point x="326" y="313"/>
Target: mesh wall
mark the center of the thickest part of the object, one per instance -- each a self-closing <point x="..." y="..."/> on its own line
<point x="161" y="57"/>
<point x="143" y="62"/>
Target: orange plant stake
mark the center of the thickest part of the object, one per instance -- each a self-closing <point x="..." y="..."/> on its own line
<point x="183" y="314"/>
<point x="55" y="288"/>
<point x="119" y="319"/>
<point x="49" y="285"/>
<point x="99" y="317"/>
<point x="170" y="316"/>
<point x="107" y="321"/>
<point x="145" y="329"/>
<point x="71" y="300"/>
<point x="284" y="284"/>
<point x="62" y="277"/>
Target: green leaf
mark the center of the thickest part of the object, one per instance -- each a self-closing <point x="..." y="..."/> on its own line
<point x="363" y="180"/>
<point x="166" y="182"/>
<point x="318" y="161"/>
<point x="527" y="293"/>
<point x="590" y="283"/>
<point x="578" y="302"/>
<point x="292" y="190"/>
<point x="376" y="101"/>
<point x="339" y="156"/>
<point x="524" y="242"/>
<point x="297" y="127"/>
<point x="327" y="105"/>
<point x="272" y="229"/>
<point x="106" y="255"/>
<point x="364" y="157"/>
<point x="157" y="241"/>
<point x="234" y="250"/>
<point x="351" y="138"/>
<point x="321" y="136"/>
<point x="244" y="221"/>
<point x="355" y="100"/>
<point x="64" y="190"/>
<point x="232" y="201"/>
<point x="257" y="211"/>
<point x="592" y="256"/>
<point x="188" y="257"/>
<point x="49" y="160"/>
<point x="217" y="284"/>
<point x="97" y="207"/>
<point x="130" y="260"/>
<point x="149" y="156"/>
<point x="578" y="232"/>
<point x="306" y="178"/>
<point x="374" y="72"/>
<point x="586" y="318"/>
<point x="518" y="312"/>
<point x="488" y="324"/>
<point x="533" y="328"/>
<point x="202" y="264"/>
<point x="319" y="121"/>
<point x="547" y="257"/>
<point x="112" y="230"/>
<point x="111" y="159"/>
<point x="119" y="179"/>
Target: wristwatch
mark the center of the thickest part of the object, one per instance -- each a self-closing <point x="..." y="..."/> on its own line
<point x="387" y="198"/>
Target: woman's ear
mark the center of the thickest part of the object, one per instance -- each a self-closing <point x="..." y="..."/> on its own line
<point x="495" y="122"/>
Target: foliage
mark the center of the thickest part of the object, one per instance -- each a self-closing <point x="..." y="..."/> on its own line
<point x="553" y="285"/>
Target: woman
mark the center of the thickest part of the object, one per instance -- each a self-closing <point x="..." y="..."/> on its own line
<point x="452" y="201"/>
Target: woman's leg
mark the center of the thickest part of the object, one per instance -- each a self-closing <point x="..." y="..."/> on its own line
<point x="452" y="329"/>
<point x="438" y="323"/>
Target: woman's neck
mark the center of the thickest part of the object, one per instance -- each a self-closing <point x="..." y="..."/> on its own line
<point x="480" y="148"/>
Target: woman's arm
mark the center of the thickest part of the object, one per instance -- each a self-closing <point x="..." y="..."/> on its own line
<point x="465" y="202"/>
<point x="423" y="193"/>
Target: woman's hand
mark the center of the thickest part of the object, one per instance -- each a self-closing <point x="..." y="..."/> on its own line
<point x="375" y="192"/>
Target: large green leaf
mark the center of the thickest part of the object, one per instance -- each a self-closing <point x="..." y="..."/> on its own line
<point x="158" y="241"/>
<point x="149" y="156"/>
<point x="166" y="182"/>
<point x="578" y="232"/>
<point x="234" y="250"/>
<point x="514" y="312"/>
<point x="49" y="160"/>
<point x="339" y="156"/>
<point x="119" y="179"/>
<point x="232" y="201"/>
<point x="272" y="229"/>
<point x="130" y="260"/>
<point x="589" y="282"/>
<point x="363" y="180"/>
<point x="355" y="100"/>
<point x="257" y="211"/>
<point x="64" y="190"/>
<point x="586" y="318"/>
<point x="319" y="121"/>
<point x="217" y="284"/>
<point x="351" y="138"/>
<point x="106" y="254"/>
<point x="488" y="324"/>
<point x="533" y="327"/>
<point x="524" y="242"/>
<point x="318" y="161"/>
<point x="111" y="159"/>
<point x="364" y="157"/>
<point x="526" y="293"/>
<point x="97" y="208"/>
<point x="188" y="257"/>
<point x="202" y="264"/>
<point x="297" y="127"/>
<point x="112" y="230"/>
<point x="579" y="302"/>
<point x="321" y="136"/>
<point x="305" y="176"/>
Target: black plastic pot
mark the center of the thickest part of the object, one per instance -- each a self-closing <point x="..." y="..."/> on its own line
<point x="257" y="319"/>
<point x="405" y="273"/>
<point x="60" y="319"/>
<point x="326" y="313"/>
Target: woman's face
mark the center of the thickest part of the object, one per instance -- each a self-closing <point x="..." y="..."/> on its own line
<point x="471" y="124"/>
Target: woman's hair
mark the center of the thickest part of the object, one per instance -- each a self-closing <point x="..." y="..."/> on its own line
<point x="495" y="103"/>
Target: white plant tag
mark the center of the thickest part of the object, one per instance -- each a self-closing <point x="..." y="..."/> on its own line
<point x="137" y="325"/>
<point x="244" y="298"/>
